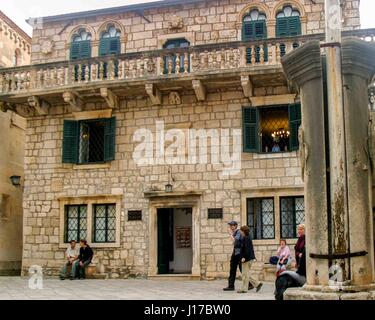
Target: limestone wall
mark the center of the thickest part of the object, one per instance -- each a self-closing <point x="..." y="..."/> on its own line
<point x="202" y="23"/>
<point x="12" y="128"/>
<point x="48" y="180"/>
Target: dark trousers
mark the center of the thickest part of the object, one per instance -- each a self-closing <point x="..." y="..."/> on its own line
<point x="235" y="262"/>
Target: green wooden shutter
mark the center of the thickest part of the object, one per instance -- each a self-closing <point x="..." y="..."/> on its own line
<point x="248" y="31"/>
<point x="250" y="130"/>
<point x="74" y="51"/>
<point x="104" y="47"/>
<point x="110" y="139"/>
<point x="282" y="27"/>
<point x="294" y="124"/>
<point x="294" y="26"/>
<point x="260" y="30"/>
<point x="70" y="142"/>
<point x="85" y="51"/>
<point x="114" y="46"/>
<point x="288" y="26"/>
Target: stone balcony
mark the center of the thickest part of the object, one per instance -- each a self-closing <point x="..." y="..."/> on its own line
<point x="31" y="90"/>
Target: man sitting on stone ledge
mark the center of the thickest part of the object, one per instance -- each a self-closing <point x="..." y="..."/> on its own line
<point x="71" y="255"/>
<point x="84" y="259"/>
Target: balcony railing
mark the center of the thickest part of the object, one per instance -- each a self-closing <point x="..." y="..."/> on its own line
<point x="197" y="60"/>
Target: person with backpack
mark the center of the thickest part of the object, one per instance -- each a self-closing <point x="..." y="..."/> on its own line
<point x="84" y="259"/>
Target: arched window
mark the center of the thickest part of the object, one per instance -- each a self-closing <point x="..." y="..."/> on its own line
<point x="175" y="44"/>
<point x="288" y="22"/>
<point x="81" y="45"/>
<point x="254" y="26"/>
<point x="17" y="58"/>
<point x="110" y="41"/>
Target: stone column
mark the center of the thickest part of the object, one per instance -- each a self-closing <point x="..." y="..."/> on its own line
<point x="358" y="68"/>
<point x="304" y="68"/>
<point x="356" y="228"/>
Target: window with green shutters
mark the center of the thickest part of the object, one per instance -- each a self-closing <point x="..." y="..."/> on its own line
<point x="271" y="128"/>
<point x="81" y="45"/>
<point x="254" y="28"/>
<point x="288" y="22"/>
<point x="89" y="141"/>
<point x="110" y="43"/>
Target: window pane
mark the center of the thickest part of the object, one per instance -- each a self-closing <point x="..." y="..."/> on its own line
<point x="300" y="211"/>
<point x="274" y="129"/>
<point x="268" y="229"/>
<point x="76" y="223"/>
<point x="112" y="236"/>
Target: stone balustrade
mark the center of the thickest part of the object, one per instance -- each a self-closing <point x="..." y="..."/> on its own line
<point x="159" y="63"/>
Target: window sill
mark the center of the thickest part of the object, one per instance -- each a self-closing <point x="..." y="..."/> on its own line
<point x="278" y="155"/>
<point x="273" y="242"/>
<point x="95" y="245"/>
<point x="91" y="166"/>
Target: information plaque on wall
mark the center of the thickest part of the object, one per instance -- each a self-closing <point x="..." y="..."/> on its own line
<point x="183" y="237"/>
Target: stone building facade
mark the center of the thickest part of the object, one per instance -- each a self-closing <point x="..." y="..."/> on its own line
<point x="15" y="49"/>
<point x="102" y="82"/>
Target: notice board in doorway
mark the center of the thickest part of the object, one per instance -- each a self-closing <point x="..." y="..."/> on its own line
<point x="183" y="237"/>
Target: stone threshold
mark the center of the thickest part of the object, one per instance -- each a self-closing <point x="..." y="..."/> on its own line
<point x="173" y="277"/>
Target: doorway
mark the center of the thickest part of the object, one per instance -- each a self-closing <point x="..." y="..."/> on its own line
<point x="174" y="247"/>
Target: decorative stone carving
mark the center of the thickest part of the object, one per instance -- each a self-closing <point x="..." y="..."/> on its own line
<point x="46" y="46"/>
<point x="174" y="98"/>
<point x="154" y="93"/>
<point x="303" y="152"/>
<point x="111" y="99"/>
<point x="176" y="23"/>
<point x="150" y="65"/>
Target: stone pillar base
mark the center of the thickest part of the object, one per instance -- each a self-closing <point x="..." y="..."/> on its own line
<point x="327" y="293"/>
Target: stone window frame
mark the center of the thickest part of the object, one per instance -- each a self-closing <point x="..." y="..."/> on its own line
<point x="94" y="40"/>
<point x="103" y="27"/>
<point x="90" y="115"/>
<point x="276" y="194"/>
<point x="90" y="201"/>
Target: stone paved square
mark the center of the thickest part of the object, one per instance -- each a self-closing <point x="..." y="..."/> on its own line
<point x="15" y="288"/>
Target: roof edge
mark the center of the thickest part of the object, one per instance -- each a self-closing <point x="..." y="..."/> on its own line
<point x="15" y="26"/>
<point x="112" y="10"/>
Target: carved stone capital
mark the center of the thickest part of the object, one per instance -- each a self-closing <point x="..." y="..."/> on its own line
<point x="303" y="64"/>
<point x="358" y="58"/>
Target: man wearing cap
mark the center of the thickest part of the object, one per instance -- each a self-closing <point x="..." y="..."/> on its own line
<point x="235" y="260"/>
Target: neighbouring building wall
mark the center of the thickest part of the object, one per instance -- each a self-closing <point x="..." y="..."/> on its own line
<point x="12" y="128"/>
<point x="15" y="47"/>
<point x="201" y="23"/>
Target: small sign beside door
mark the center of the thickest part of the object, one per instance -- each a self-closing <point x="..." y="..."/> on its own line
<point x="183" y="237"/>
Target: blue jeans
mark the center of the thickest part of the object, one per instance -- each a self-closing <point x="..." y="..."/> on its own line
<point x="77" y="270"/>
